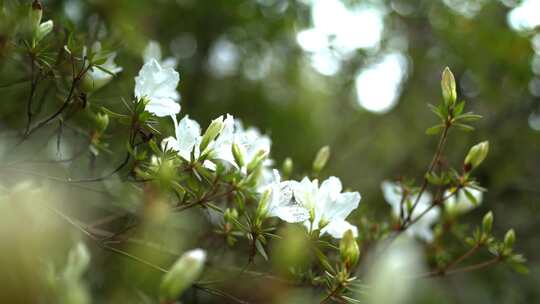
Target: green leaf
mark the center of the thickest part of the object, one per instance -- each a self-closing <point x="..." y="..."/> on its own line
<point x="459" y="108"/>
<point x="113" y="114"/>
<point x="463" y="127"/>
<point x="436" y="110"/>
<point x="469" y="117"/>
<point x="104" y="70"/>
<point x="324" y="260"/>
<point x="435" y="129"/>
<point x="471" y="197"/>
<point x="260" y="249"/>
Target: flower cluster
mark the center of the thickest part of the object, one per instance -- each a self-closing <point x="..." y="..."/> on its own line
<point x="226" y="140"/>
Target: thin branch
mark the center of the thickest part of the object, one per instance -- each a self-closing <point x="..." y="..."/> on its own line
<point x="434" y="161"/>
<point x="67" y="100"/>
<point x="474" y="267"/>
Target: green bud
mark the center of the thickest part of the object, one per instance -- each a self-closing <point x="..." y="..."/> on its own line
<point x="238" y="155"/>
<point x="257" y="160"/>
<point x="348" y="249"/>
<point x="77" y="263"/>
<point x="477" y="154"/>
<point x="102" y="121"/>
<point x="487" y="222"/>
<point x="212" y="132"/>
<point x="36" y="12"/>
<point x="448" y="85"/>
<point x="44" y="29"/>
<point x="323" y="223"/>
<point x="230" y="215"/>
<point x="262" y="209"/>
<point x="182" y="274"/>
<point x="321" y="159"/>
<point x="287" y="168"/>
<point x="509" y="239"/>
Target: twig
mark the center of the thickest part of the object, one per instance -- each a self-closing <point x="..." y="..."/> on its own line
<point x="434" y="161"/>
<point x="464" y="269"/>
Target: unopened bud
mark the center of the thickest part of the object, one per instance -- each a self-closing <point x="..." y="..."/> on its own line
<point x="323" y="223"/>
<point x="262" y="209"/>
<point x="321" y="159"/>
<point x="448" y="86"/>
<point x="477" y="154"/>
<point x="238" y="155"/>
<point x="230" y="215"/>
<point x="77" y="263"/>
<point x="212" y="132"/>
<point x="509" y="239"/>
<point x="257" y="160"/>
<point x="349" y="250"/>
<point x="102" y="121"/>
<point x="44" y="29"/>
<point x="487" y="222"/>
<point x="182" y="274"/>
<point x="287" y="167"/>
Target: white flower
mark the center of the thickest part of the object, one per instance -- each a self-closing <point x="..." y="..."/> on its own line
<point x="282" y="203"/>
<point x="327" y="205"/>
<point x="460" y="203"/>
<point x="187" y="140"/>
<point x="96" y="78"/>
<point x="158" y="85"/>
<point x="393" y="193"/>
<point x="153" y="51"/>
<point x="250" y="141"/>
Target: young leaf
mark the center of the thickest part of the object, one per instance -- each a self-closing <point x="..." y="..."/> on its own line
<point x="435" y="129"/>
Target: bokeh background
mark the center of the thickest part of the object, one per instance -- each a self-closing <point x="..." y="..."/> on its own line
<point x="357" y="76"/>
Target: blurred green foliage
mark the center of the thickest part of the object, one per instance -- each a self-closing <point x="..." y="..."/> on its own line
<point x="303" y="110"/>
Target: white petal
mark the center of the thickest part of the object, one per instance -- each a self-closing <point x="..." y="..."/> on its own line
<point x="169" y="62"/>
<point x="291" y="214"/>
<point x="337" y="228"/>
<point x="329" y="190"/>
<point x="344" y="204"/>
<point x="170" y="143"/>
<point x="156" y="83"/>
<point x="423" y="228"/>
<point x="460" y="203"/>
<point x="305" y="192"/>
<point x="152" y="51"/>
<point x="392" y="193"/>
<point x="163" y="107"/>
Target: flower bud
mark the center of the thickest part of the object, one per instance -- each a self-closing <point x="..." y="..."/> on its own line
<point x="509" y="238"/>
<point x="287" y="167"/>
<point x="102" y="121"/>
<point x="230" y="215"/>
<point x="448" y="85"/>
<point x="238" y="155"/>
<point x="257" y="160"/>
<point x="477" y="154"/>
<point x="323" y="223"/>
<point x="77" y="263"/>
<point x="44" y="29"/>
<point x="262" y="209"/>
<point x="36" y="12"/>
<point x="211" y="132"/>
<point x="182" y="274"/>
<point x="321" y="159"/>
<point x="487" y="222"/>
<point x="349" y="250"/>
